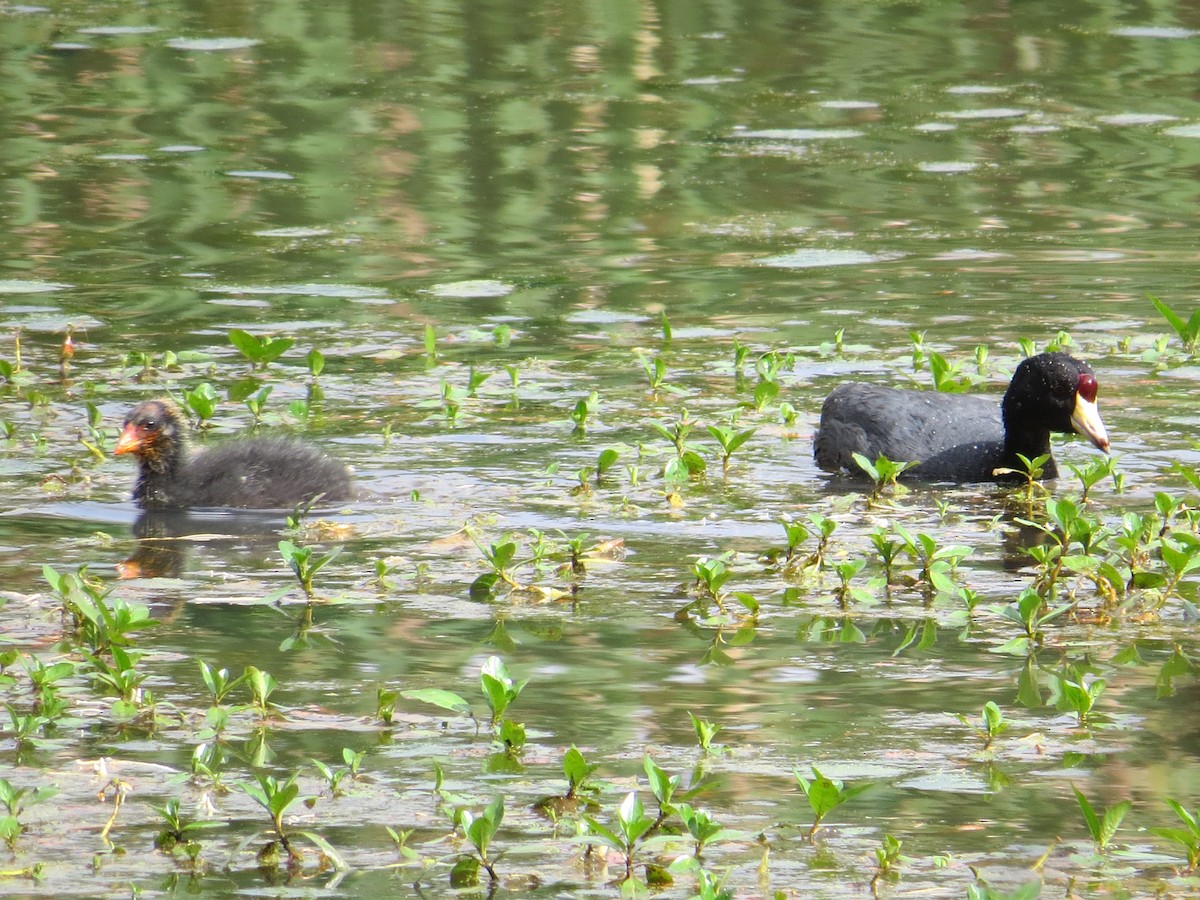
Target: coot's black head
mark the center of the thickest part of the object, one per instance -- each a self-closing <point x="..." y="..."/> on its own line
<point x="155" y="432"/>
<point x="1054" y="392"/>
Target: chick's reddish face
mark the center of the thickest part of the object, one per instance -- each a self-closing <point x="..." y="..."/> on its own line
<point x="137" y="437"/>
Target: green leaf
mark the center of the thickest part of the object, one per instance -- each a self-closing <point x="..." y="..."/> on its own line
<point x="440" y="698"/>
<point x="606" y="460"/>
<point x="247" y="344"/>
<point x="1089" y="814"/>
<point x="465" y="872"/>
<point x="1172" y="318"/>
<point x="1111" y="820"/>
<point x="602" y="834"/>
<point x="662" y="785"/>
<point x="284" y="798"/>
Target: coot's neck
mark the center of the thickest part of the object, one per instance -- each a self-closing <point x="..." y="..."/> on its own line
<point x="159" y="475"/>
<point x="1029" y="440"/>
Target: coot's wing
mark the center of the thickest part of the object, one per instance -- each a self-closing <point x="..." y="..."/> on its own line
<point x="904" y="426"/>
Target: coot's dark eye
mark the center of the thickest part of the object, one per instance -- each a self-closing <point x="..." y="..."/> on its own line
<point x="150" y="425"/>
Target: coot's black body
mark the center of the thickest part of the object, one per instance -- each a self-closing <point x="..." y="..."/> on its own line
<point x="961" y="438"/>
<point x="260" y="473"/>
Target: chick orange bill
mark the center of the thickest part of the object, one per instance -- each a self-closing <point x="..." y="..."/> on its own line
<point x="130" y="441"/>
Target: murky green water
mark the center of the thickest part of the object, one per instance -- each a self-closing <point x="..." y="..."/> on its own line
<point x="540" y="184"/>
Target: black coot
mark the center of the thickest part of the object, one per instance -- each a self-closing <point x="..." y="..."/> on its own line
<point x="257" y="473"/>
<point x="960" y="438"/>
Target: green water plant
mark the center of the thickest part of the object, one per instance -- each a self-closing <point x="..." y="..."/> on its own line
<point x="476" y="380"/>
<point x="262" y="685"/>
<point x="709" y="885"/>
<point x="334" y="777"/>
<point x="701" y="827"/>
<point x="628" y="833"/>
<point x="501" y="558"/>
<point x="729" y="440"/>
<point x="276" y="797"/>
<point x="44" y="679"/>
<point x="207" y="765"/>
<point x="15" y="801"/>
<point x="836" y="347"/>
<point x="400" y="836"/>
<point x="1188" y="331"/>
<point x="1187" y="837"/>
<point x="798" y="532"/>
<point x="202" y="401"/>
<point x="687" y="461"/>
<point x="178" y="832"/>
<point x="216" y="722"/>
<point x="218" y="682"/>
<point x="918" y="351"/>
<point x="705" y="732"/>
<point x="260" y="351"/>
<point x="97" y="440"/>
<point x="1180" y="554"/>
<point x="440" y="698"/>
<point x="887" y="859"/>
<point x="605" y="461"/>
<point x="304" y="564"/>
<point x="765" y="393"/>
<point x="825" y="794"/>
<point x="948" y="377"/>
<point x="578" y="772"/>
<point x="431" y="350"/>
<point x="888" y="549"/>
<point x="1031" y="470"/>
<point x="257" y="403"/>
<point x="315" y="360"/>
<point x="992" y="724"/>
<point x="663" y="786"/>
<point x="385" y="704"/>
<point x="580" y="788"/>
<point x="1096" y="470"/>
<point x="1102" y="826"/>
<point x="883" y="474"/>
<point x="452" y="398"/>
<point x="1030" y="612"/>
<point x="1072" y="692"/>
<point x="771" y="363"/>
<point x="582" y="411"/>
<point x="499" y="689"/>
<point x="740" y="353"/>
<point x="100" y="620"/>
<point x="846" y="592"/>
<point x="935" y="564"/>
<point x="122" y="678"/>
<point x="711" y="574"/>
<point x="479" y="830"/>
<point x="656" y="371"/>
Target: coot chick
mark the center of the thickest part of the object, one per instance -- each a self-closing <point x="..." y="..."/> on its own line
<point x="959" y="438"/>
<point x="258" y="473"/>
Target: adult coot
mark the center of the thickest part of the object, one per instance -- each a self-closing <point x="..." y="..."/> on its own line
<point x="259" y="473"/>
<point x="958" y="438"/>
